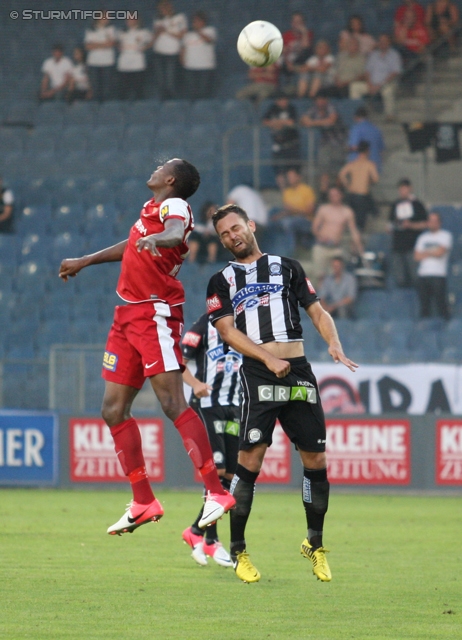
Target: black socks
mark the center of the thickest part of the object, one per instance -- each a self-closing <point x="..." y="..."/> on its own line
<point x="243" y="489"/>
<point x="315" y="496"/>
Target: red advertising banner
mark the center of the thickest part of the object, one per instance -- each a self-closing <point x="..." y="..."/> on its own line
<point x="92" y="455"/>
<point x="368" y="451"/>
<point x="449" y="452"/>
<point x="276" y="465"/>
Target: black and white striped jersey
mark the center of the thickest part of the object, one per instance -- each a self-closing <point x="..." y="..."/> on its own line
<point x="264" y="297"/>
<point x="220" y="370"/>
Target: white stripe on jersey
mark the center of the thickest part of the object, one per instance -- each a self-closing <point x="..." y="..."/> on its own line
<point x="228" y="362"/>
<point x="166" y="342"/>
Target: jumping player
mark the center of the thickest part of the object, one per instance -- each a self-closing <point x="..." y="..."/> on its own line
<point x="254" y="303"/>
<point x="215" y="396"/>
<point x="144" y="341"/>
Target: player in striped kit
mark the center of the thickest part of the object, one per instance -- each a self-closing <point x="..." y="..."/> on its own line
<point x="254" y="303"/>
<point x="216" y="398"/>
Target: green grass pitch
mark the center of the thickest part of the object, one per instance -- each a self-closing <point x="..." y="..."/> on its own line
<point x="396" y="564"/>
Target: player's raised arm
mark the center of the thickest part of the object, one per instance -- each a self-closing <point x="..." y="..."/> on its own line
<point x="325" y="325"/>
<point x="70" y="267"/>
<point x="171" y="237"/>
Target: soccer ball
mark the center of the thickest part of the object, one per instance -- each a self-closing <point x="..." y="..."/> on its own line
<point x="259" y="44"/>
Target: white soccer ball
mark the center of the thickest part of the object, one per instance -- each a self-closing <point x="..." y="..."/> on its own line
<point x="259" y="44"/>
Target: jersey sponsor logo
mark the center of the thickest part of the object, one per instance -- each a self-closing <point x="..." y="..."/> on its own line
<point x="219" y="426"/>
<point x="163" y="213"/>
<point x="213" y="303"/>
<point x="110" y="361"/>
<point x="141" y="228"/>
<point x="232" y="427"/>
<point x="251" y="291"/>
<point x="254" y="435"/>
<point x="275" y="269"/>
<point x="311" y="289"/>
<point x="219" y="352"/>
<point x="276" y="393"/>
<point x="191" y="339"/>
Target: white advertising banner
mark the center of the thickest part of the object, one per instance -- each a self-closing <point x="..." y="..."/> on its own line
<point x="376" y="389"/>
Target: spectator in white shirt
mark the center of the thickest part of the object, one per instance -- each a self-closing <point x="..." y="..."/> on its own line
<point x="317" y="72"/>
<point x="6" y="209"/>
<point x="131" y="63"/>
<point x="198" y="58"/>
<point x="432" y="253"/>
<point x="57" y="72"/>
<point x="251" y="201"/>
<point x="79" y="88"/>
<point x="169" y="30"/>
<point x="101" y="57"/>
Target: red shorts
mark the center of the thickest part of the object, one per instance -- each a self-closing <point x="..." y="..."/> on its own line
<point x="144" y="340"/>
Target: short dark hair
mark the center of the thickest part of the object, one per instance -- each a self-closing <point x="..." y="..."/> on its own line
<point x="363" y="146"/>
<point x="57" y="47"/>
<point x="361" y="112"/>
<point x="201" y="15"/>
<point x="404" y="182"/>
<point x="187" y="179"/>
<point x="225" y="210"/>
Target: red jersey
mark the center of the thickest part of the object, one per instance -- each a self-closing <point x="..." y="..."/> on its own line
<point x="144" y="277"/>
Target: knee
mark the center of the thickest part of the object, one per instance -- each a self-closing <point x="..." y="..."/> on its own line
<point x="114" y="412"/>
<point x="172" y="407"/>
<point x="314" y="460"/>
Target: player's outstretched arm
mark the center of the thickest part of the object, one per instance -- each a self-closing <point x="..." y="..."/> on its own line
<point x="241" y="343"/>
<point x="70" y="267"/>
<point x="171" y="237"/>
<point x="325" y="325"/>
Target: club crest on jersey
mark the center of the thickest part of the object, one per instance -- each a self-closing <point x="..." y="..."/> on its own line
<point x="311" y="289"/>
<point x="213" y="303"/>
<point x="275" y="269"/>
<point x="191" y="339"/>
<point x="163" y="213"/>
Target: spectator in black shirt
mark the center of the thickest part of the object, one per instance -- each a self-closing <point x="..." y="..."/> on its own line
<point x="281" y="119"/>
<point x="408" y="218"/>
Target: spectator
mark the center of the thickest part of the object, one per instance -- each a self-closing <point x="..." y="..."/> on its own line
<point x="198" y="58"/>
<point x="298" y="203"/>
<point x="441" y="18"/>
<point x="329" y="226"/>
<point x="281" y="119"/>
<point x="432" y="253"/>
<point x="298" y="43"/>
<point x="101" y="57"/>
<point x="339" y="290"/>
<point x="79" y="88"/>
<point x="169" y="29"/>
<point x="382" y="70"/>
<point x="323" y="116"/>
<point x="356" y="29"/>
<point x="131" y="64"/>
<point x="204" y="245"/>
<point x="251" y="201"/>
<point x="264" y="82"/>
<point x="416" y="8"/>
<point x="408" y="217"/>
<point x="317" y="72"/>
<point x="365" y="130"/>
<point x="323" y="187"/>
<point x="351" y="67"/>
<point x="357" y="177"/>
<point x="6" y="209"/>
<point x="57" y="73"/>
<point x="411" y="36"/>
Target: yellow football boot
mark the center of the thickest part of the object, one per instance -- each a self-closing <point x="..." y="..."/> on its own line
<point x="318" y="557"/>
<point x="244" y="568"/>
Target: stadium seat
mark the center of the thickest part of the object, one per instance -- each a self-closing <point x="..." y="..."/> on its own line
<point x="174" y="112"/>
<point x="70" y="191"/>
<point x="395" y="334"/>
<point x="66" y="245"/>
<point x="34" y="219"/>
<point x="74" y="139"/>
<point x="100" y="219"/>
<point x="452" y="355"/>
<point x="372" y="303"/>
<point x="139" y="137"/>
<point x="49" y="113"/>
<point x="31" y="278"/>
<point x="170" y="141"/>
<point x="111" y="113"/>
<point x="145" y="112"/>
<point x="141" y="163"/>
<point x="35" y="247"/>
<point x="68" y="217"/>
<point x="236" y="113"/>
<point x="21" y="112"/>
<point x="205" y="112"/>
<point x="105" y="138"/>
<point x="12" y="139"/>
<point x="80" y="113"/>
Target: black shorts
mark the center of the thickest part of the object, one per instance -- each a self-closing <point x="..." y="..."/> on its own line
<point x="222" y="425"/>
<point x="294" y="400"/>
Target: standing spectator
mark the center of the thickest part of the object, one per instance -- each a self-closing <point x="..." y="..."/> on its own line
<point x="317" y="72"/>
<point x="356" y="29"/>
<point x="281" y="119"/>
<point x="338" y="290"/>
<point x="247" y="198"/>
<point x="6" y="209"/>
<point x="329" y="226"/>
<point x="382" y="70"/>
<point x="365" y="130"/>
<point x="131" y="63"/>
<point x="323" y="116"/>
<point x="101" y="57"/>
<point x="411" y="36"/>
<point x="432" y="253"/>
<point x="357" y="177"/>
<point x="169" y="29"/>
<point x="408" y="217"/>
<point x="198" y="58"/>
<point x="79" y="88"/>
<point x="350" y="67"/>
<point x="298" y="43"/>
<point x="57" y="74"/>
<point x="441" y="18"/>
<point x="416" y="8"/>
<point x="298" y="203"/>
<point x="264" y="82"/>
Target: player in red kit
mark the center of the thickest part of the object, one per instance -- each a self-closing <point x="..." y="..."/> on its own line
<point x="144" y="341"/>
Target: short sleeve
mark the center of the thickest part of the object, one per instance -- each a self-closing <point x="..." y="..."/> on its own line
<point x="210" y="32"/>
<point x="8" y="197"/>
<point x="219" y="302"/>
<point x="301" y="286"/>
<point x="193" y="338"/>
<point x="45" y="66"/>
<point x="420" y="213"/>
<point x="175" y="208"/>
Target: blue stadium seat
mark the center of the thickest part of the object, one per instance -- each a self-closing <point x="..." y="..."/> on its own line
<point x="100" y="219"/>
<point x="80" y="113"/>
<point x="18" y="347"/>
<point x="109" y="163"/>
<point x="145" y="112"/>
<point x="70" y="191"/>
<point x="452" y="355"/>
<point x="395" y="355"/>
<point x="372" y="304"/>
<point x="205" y="112"/>
<point x="74" y="139"/>
<point x="174" y="112"/>
<point x="50" y="113"/>
<point x="138" y="137"/>
<point x="51" y="312"/>
<point x="105" y="138"/>
<point x="85" y="305"/>
<point x="21" y="111"/>
<point x="111" y="113"/>
<point x="31" y="278"/>
<point x="9" y="247"/>
<point x="68" y="217"/>
<point x="396" y="334"/>
<point x="66" y="245"/>
<point x="12" y="139"/>
<point x="35" y="247"/>
<point x="236" y="113"/>
<point x="34" y="219"/>
<point x="203" y="144"/>
<point x="170" y="137"/>
<point x="140" y="163"/>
